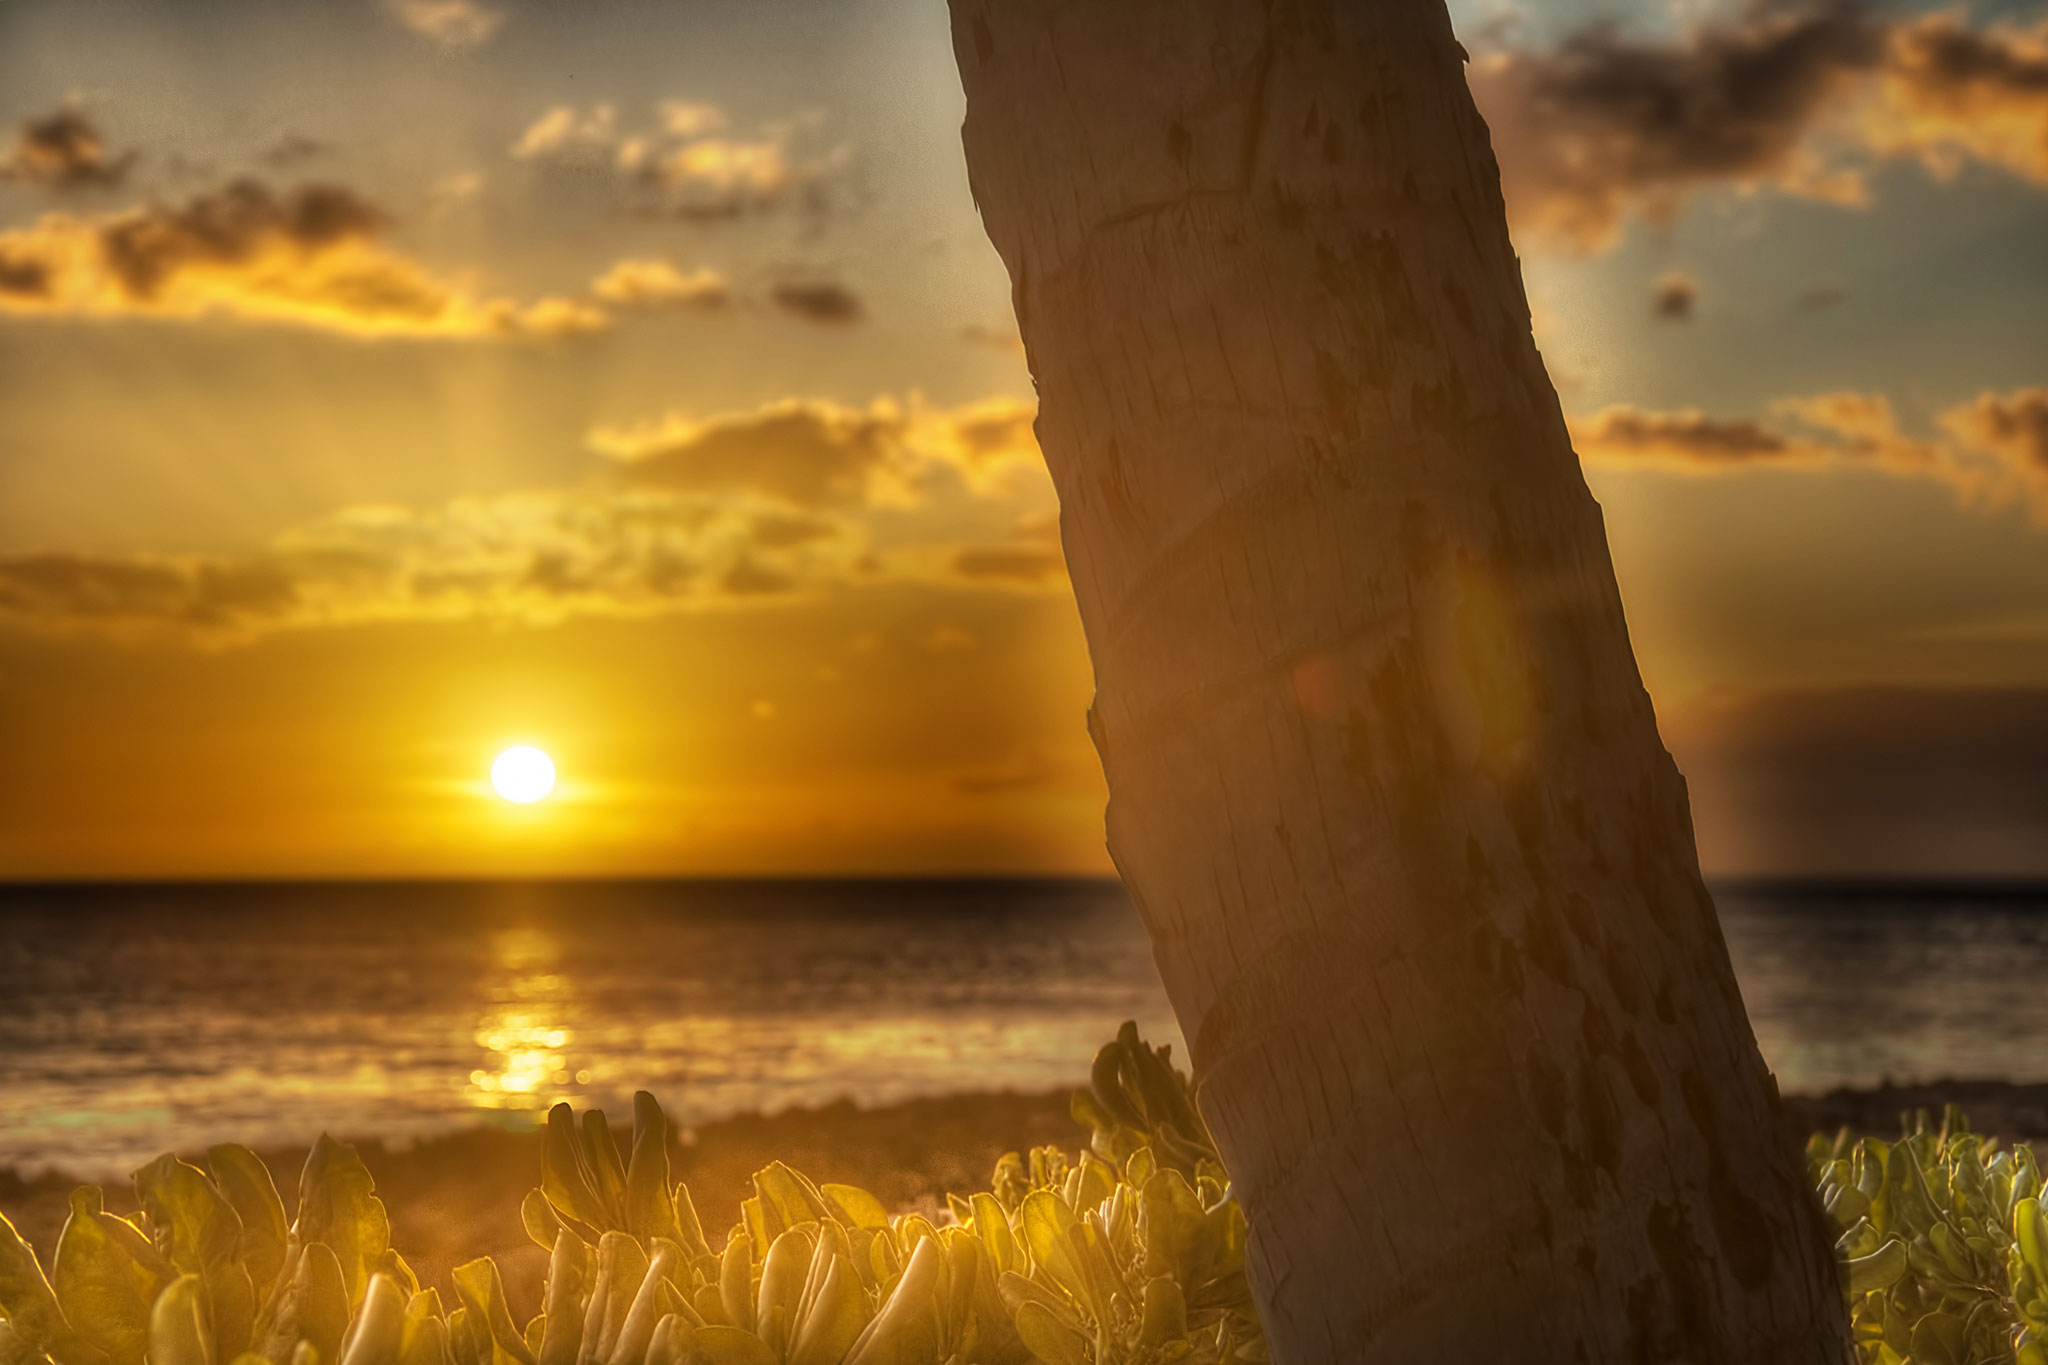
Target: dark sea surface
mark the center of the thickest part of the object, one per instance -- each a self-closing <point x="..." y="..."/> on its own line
<point x="136" y="1019"/>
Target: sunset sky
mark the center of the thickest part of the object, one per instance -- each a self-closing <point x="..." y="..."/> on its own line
<point x="387" y="382"/>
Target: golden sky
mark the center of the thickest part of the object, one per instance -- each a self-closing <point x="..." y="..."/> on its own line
<point x="382" y="384"/>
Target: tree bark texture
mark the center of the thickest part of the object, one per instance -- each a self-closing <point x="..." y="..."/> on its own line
<point x="1384" y="781"/>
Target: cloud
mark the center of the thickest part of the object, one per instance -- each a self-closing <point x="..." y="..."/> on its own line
<point x="63" y="151"/>
<point x="452" y="25"/>
<point x="1802" y="98"/>
<point x="565" y="131"/>
<point x="686" y="163"/>
<point x="1992" y="451"/>
<point x="825" y="301"/>
<point x="995" y="338"/>
<point x="1675" y="296"/>
<point x="1952" y="93"/>
<point x="2012" y="431"/>
<point x="310" y="256"/>
<point x="813" y="453"/>
<point x="657" y="284"/>
<point x="531" y="558"/>
<point x="1607" y="125"/>
<point x="1020" y="563"/>
<point x="1627" y="435"/>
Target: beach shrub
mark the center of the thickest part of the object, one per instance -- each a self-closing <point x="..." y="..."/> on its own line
<point x="1942" y="1242"/>
<point x="1130" y="1252"/>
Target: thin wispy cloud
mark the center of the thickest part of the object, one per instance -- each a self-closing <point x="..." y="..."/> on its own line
<point x="1991" y="451"/>
<point x="452" y="25"/>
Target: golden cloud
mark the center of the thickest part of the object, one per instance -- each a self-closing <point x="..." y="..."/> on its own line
<point x="1951" y="93"/>
<point x="815" y="454"/>
<point x="686" y="163"/>
<point x="309" y="257"/>
<point x="657" y="284"/>
<point x="454" y="25"/>
<point x="741" y="509"/>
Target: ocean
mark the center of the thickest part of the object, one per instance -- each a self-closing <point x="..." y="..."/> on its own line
<point x="138" y="1019"/>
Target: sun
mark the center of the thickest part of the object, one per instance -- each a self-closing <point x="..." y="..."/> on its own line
<point x="523" y="774"/>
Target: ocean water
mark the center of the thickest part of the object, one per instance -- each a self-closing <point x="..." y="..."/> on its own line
<point x="139" y="1019"/>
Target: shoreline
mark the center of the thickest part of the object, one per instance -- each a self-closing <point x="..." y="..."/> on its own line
<point x="455" y="1196"/>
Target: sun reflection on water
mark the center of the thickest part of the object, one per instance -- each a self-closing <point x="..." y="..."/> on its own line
<point x="526" y="1064"/>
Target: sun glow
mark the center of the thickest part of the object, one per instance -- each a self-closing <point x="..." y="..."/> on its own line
<point x="523" y="774"/>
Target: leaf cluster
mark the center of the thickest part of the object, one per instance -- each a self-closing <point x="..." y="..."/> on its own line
<point x="1132" y="1253"/>
<point x="1942" y="1243"/>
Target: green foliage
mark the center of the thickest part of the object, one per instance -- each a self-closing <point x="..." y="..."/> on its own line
<point x="1943" y="1245"/>
<point x="1132" y="1253"/>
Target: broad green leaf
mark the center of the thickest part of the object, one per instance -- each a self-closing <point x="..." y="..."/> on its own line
<point x="483" y="1294"/>
<point x="568" y="1275"/>
<point x="855" y="1207"/>
<point x="834" y="1319"/>
<point x="537" y="1216"/>
<point x="565" y="1173"/>
<point x="1051" y="1340"/>
<point x="1045" y="1224"/>
<point x="177" y="1325"/>
<point x="195" y="1227"/>
<point x="650" y="1206"/>
<point x="30" y="1305"/>
<point x="245" y="1181"/>
<point x="378" y="1334"/>
<point x="104" y="1293"/>
<point x="910" y="1328"/>
<point x="601" y="1158"/>
<point x="339" y="1208"/>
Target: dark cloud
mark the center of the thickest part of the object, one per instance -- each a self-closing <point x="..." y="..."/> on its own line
<point x="77" y="589"/>
<point x="25" y="277"/>
<point x="1879" y="780"/>
<point x="1607" y="123"/>
<point x="231" y="225"/>
<point x="749" y="578"/>
<point x="1021" y="563"/>
<point x="64" y="151"/>
<point x="1819" y="299"/>
<point x="1675" y="297"/>
<point x="809" y="454"/>
<point x="825" y="301"/>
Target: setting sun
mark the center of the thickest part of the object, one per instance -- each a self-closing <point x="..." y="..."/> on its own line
<point x="523" y="774"/>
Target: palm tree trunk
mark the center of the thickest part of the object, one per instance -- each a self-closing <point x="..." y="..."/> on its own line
<point x="1384" y="781"/>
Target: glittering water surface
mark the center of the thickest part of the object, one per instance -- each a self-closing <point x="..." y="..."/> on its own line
<point x="137" y="1019"/>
